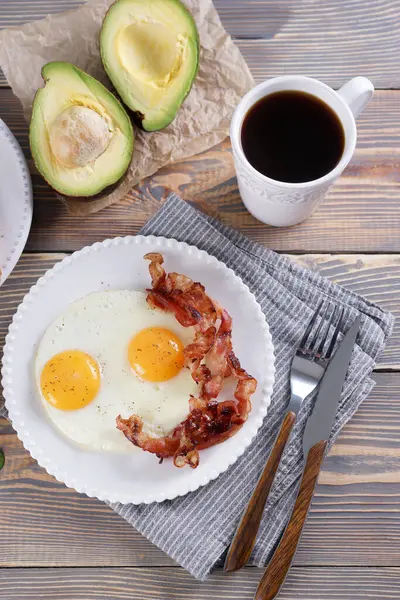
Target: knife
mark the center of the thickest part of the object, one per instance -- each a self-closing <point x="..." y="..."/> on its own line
<point x="315" y="441"/>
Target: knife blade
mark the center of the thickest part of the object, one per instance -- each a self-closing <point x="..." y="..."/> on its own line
<point x="315" y="442"/>
<point x="319" y="424"/>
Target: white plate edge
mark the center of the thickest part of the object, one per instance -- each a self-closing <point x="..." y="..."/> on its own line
<point x="25" y="225"/>
<point x="19" y="426"/>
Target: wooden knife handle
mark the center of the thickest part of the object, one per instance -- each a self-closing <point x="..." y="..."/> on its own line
<point x="279" y="565"/>
<point x="246" y="533"/>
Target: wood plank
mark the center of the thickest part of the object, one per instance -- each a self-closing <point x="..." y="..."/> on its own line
<point x="361" y="214"/>
<point x="176" y="584"/>
<point x="354" y="520"/>
<point x="332" y="40"/>
<point x="377" y="277"/>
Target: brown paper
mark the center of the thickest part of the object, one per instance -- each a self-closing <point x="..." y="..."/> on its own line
<point x="202" y="121"/>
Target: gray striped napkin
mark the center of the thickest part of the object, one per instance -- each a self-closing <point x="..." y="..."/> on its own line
<point x="195" y="530"/>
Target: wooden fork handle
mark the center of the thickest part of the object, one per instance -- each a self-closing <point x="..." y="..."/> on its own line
<point x="246" y="533"/>
<point x="279" y="565"/>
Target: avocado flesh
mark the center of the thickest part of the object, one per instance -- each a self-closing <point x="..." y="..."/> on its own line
<point x="150" y="50"/>
<point x="80" y="135"/>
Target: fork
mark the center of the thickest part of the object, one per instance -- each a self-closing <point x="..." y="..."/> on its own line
<point x="308" y="366"/>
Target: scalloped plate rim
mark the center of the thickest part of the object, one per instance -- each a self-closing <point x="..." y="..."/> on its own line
<point x="25" y="436"/>
<point x="18" y="244"/>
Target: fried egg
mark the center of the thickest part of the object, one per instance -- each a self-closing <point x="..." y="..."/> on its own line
<point x="109" y="354"/>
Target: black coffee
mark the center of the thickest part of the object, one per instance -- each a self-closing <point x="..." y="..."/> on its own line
<point x="292" y="136"/>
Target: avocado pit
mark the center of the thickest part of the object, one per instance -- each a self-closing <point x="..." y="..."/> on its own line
<point x="78" y="136"/>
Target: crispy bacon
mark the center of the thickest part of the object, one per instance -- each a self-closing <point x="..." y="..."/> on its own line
<point x="210" y="358"/>
<point x="208" y="423"/>
<point x="132" y="428"/>
<point x="203" y="342"/>
<point x="185" y="315"/>
<point x="156" y="269"/>
<point x="217" y="358"/>
<point x="180" y="295"/>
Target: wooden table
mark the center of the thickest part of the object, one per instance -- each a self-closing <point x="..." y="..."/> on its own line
<point x="57" y="544"/>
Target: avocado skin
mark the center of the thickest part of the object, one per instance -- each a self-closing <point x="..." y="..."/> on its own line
<point x="105" y="192"/>
<point x="137" y="118"/>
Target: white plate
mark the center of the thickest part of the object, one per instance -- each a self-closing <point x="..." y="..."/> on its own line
<point x="119" y="264"/>
<point x="15" y="201"/>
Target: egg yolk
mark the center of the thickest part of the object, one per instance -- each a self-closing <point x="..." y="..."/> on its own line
<point x="70" y="380"/>
<point x="156" y="354"/>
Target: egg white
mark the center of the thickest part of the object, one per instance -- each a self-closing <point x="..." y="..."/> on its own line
<point x="102" y="325"/>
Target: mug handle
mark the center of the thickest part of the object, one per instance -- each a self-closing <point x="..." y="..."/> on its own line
<point x="357" y="93"/>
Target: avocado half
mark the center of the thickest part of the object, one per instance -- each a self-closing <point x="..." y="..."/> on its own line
<point x="81" y="137"/>
<point x="150" y="51"/>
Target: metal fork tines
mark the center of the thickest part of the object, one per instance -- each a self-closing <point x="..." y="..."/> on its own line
<point x="309" y="364"/>
<point x="312" y="358"/>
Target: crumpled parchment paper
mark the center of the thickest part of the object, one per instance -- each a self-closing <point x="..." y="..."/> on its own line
<point x="202" y="121"/>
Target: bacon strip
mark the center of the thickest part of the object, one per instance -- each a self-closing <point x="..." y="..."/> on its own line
<point x="132" y="428"/>
<point x="156" y="269"/>
<point x="207" y="424"/>
<point x="203" y="342"/>
<point x="210" y="358"/>
<point x="180" y="295"/>
<point x="217" y="358"/>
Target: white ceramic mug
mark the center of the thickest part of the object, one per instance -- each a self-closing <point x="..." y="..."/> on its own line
<point x="279" y="203"/>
